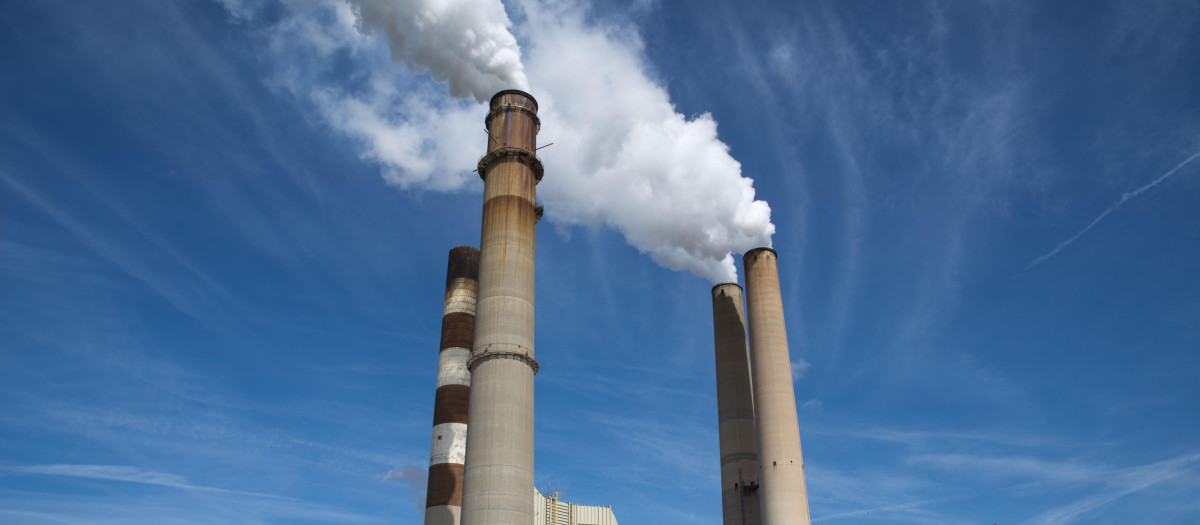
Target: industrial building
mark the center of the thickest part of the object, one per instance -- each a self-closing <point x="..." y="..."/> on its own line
<point x="549" y="510"/>
<point x="486" y="367"/>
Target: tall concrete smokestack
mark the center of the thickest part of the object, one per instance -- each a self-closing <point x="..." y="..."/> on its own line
<point x="499" y="471"/>
<point x="735" y="409"/>
<point x="782" y="492"/>
<point x="443" y="502"/>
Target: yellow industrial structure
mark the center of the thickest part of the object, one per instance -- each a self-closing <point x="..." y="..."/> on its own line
<point x="548" y="510"/>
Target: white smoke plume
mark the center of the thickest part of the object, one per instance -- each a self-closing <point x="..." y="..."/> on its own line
<point x="411" y="475"/>
<point x="463" y="43"/>
<point x="623" y="156"/>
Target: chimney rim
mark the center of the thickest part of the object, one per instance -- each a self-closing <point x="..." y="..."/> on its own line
<point x="760" y="249"/>
<point x="525" y="94"/>
<point x="718" y="285"/>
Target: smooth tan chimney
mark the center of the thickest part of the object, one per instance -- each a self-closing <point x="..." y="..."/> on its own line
<point x="735" y="409"/>
<point x="782" y="493"/>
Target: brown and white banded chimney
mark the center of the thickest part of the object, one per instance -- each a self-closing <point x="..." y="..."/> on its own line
<point x="735" y="409"/>
<point x="782" y="493"/>
<point x="499" y="471"/>
<point x="443" y="502"/>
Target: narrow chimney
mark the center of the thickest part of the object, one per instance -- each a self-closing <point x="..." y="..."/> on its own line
<point x="499" y="470"/>
<point x="443" y="502"/>
<point x="782" y="493"/>
<point x="735" y="409"/>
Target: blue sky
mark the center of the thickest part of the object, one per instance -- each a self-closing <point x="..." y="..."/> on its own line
<point x="220" y="291"/>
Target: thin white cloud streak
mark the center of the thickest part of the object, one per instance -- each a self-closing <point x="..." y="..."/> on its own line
<point x="171" y="508"/>
<point x="128" y="475"/>
<point x="623" y="157"/>
<point x="927" y="438"/>
<point x="1117" y="483"/>
<point x="206" y="433"/>
<point x="191" y="444"/>
<point x="888" y="509"/>
<point x="664" y="448"/>
<point x="84" y="177"/>
<point x="1124" y="198"/>
<point x="811" y="404"/>
<point x="1004" y="467"/>
<point x="873" y="489"/>
<point x="1123" y="484"/>
<point x="38" y="515"/>
<point x="111" y="251"/>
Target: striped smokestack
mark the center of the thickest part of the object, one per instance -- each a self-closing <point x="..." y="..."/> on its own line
<point x="443" y="502"/>
<point x="782" y="493"/>
<point x="735" y="409"/>
<point x="499" y="472"/>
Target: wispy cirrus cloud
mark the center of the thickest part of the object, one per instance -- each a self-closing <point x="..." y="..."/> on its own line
<point x="800" y="367"/>
<point x="1117" y="485"/>
<point x="126" y="474"/>
<point x="168" y="508"/>
<point x="885" y="510"/>
<point x="1125" y="197"/>
<point x="872" y="493"/>
<point x="201" y="307"/>
<point x="880" y="106"/>
<point x="42" y="516"/>
<point x="919" y="439"/>
<point x="1010" y="467"/>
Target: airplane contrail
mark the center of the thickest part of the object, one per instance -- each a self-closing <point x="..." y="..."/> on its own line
<point x="1127" y="196"/>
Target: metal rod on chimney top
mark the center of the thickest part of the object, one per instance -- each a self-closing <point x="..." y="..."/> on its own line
<point x="498" y="480"/>
<point x="783" y="495"/>
<point x="443" y="502"/>
<point x="735" y="409"/>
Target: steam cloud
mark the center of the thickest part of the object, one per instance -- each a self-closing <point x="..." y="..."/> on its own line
<point x="411" y="475"/>
<point x="623" y="157"/>
<point x="464" y="43"/>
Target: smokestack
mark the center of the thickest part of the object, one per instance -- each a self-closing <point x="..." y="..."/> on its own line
<point x="499" y="470"/>
<point x="735" y="409"/>
<point x="443" y="502"/>
<point x="782" y="493"/>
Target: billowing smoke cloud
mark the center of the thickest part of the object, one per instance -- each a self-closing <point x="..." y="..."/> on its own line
<point x="411" y="475"/>
<point x="464" y="43"/>
<point x="623" y="157"/>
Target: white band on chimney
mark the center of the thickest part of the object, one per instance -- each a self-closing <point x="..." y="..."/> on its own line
<point x="452" y="367"/>
<point x="449" y="444"/>
<point x="461" y="298"/>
